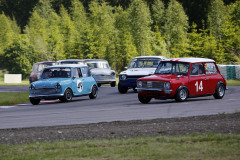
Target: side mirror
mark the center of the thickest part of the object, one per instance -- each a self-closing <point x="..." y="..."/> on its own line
<point x="74" y="77"/>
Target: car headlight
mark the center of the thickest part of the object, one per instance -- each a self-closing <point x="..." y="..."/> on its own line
<point x="113" y="74"/>
<point x="167" y="85"/>
<point x="58" y="85"/>
<point x="123" y="77"/>
<point x="31" y="86"/>
<point x="139" y="84"/>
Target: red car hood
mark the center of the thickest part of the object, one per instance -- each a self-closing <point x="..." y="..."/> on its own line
<point x="159" y="77"/>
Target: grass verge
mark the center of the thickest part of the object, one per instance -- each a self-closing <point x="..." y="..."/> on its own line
<point x="233" y="82"/>
<point x="13" y="98"/>
<point x="206" y="146"/>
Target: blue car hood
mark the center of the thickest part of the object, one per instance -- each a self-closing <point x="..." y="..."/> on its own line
<point x="50" y="83"/>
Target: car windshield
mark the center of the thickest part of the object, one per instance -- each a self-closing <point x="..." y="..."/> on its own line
<point x="144" y="63"/>
<point x="102" y="65"/>
<point x="56" y="73"/>
<point x="177" y="68"/>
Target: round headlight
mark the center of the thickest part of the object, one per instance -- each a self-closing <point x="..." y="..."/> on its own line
<point x="58" y="85"/>
<point x="123" y="77"/>
<point x="113" y="74"/>
<point x="167" y="85"/>
<point x="32" y="86"/>
<point x="139" y="84"/>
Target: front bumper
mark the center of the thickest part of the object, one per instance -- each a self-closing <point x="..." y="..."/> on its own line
<point x="132" y="83"/>
<point x="50" y="96"/>
<point x="155" y="93"/>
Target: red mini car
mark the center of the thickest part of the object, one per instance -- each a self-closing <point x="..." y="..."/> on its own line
<point x="182" y="78"/>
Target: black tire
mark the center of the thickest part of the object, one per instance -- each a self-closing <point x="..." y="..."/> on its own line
<point x="93" y="94"/>
<point x="113" y="84"/>
<point x="122" y="89"/>
<point x="143" y="99"/>
<point x="219" y="91"/>
<point x="181" y="95"/>
<point x="34" y="101"/>
<point x="134" y="89"/>
<point x="99" y="84"/>
<point x="67" y="96"/>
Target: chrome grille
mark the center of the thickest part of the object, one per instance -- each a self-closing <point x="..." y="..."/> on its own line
<point x="152" y="84"/>
<point x="45" y="91"/>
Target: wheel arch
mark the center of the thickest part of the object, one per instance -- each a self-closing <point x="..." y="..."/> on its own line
<point x="180" y="87"/>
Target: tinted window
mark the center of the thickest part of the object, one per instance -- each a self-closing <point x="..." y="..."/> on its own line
<point x="197" y="69"/>
<point x="210" y="68"/>
<point x="173" y="68"/>
<point x="56" y="73"/>
<point x="144" y="63"/>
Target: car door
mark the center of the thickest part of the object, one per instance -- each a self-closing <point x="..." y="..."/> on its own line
<point x="197" y="80"/>
<point x="87" y="78"/>
<point x="212" y="77"/>
<point x="79" y="82"/>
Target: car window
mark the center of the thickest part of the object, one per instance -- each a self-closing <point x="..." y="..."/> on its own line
<point x="178" y="68"/>
<point x="197" y="69"/>
<point x="144" y="63"/>
<point x="56" y="73"/>
<point x="210" y="68"/>
<point x="34" y="68"/>
<point x="85" y="72"/>
<point x="77" y="72"/>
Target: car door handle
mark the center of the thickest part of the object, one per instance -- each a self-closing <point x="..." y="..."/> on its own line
<point x="206" y="79"/>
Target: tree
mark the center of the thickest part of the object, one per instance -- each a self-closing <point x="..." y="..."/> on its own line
<point x="216" y="18"/>
<point x="159" y="45"/>
<point x="175" y="29"/>
<point x="158" y="9"/>
<point x="103" y="31"/>
<point x="140" y="21"/>
<point x="17" y="56"/>
<point x="8" y="31"/>
<point x="125" y="49"/>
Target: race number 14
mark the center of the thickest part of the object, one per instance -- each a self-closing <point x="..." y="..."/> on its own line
<point x="199" y="87"/>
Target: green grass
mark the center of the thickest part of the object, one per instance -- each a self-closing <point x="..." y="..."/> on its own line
<point x="233" y="82"/>
<point x="13" y="98"/>
<point x="207" y="146"/>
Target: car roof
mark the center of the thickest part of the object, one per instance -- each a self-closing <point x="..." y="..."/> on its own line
<point x="162" y="57"/>
<point x="45" y="62"/>
<point x="94" y="60"/>
<point x="73" y="60"/>
<point x="190" y="60"/>
<point x="68" y="65"/>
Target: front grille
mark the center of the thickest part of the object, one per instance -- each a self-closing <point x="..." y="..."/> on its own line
<point x="136" y="77"/>
<point x="45" y="91"/>
<point x="152" y="84"/>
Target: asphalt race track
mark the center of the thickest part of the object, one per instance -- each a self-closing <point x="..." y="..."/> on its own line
<point x="111" y="106"/>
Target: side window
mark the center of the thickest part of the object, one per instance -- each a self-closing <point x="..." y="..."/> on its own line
<point x="79" y="72"/>
<point x="197" y="69"/>
<point x="75" y="73"/>
<point x="85" y="72"/>
<point x="210" y="68"/>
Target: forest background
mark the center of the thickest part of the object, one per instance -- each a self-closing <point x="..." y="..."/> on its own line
<point x="116" y="30"/>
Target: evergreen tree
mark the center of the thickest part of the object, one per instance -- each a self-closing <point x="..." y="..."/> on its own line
<point x="158" y="9"/>
<point x="103" y="31"/>
<point x="140" y="21"/>
<point x="175" y="29"/>
<point x="8" y="31"/>
<point x="125" y="49"/>
<point x="216" y="18"/>
<point x="159" y="44"/>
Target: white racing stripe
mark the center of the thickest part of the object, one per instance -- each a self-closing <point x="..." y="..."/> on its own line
<point x="28" y="104"/>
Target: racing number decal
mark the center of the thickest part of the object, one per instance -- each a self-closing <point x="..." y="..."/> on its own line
<point x="79" y="86"/>
<point x="200" y="87"/>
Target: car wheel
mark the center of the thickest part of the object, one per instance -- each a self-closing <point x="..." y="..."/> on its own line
<point x="134" y="89"/>
<point x="67" y="96"/>
<point x="93" y="94"/>
<point x="99" y="84"/>
<point x="34" y="101"/>
<point x="122" y="89"/>
<point x="113" y="84"/>
<point x="181" y="95"/>
<point x="143" y="99"/>
<point x="219" y="91"/>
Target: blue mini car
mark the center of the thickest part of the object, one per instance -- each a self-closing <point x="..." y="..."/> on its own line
<point x="63" y="82"/>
